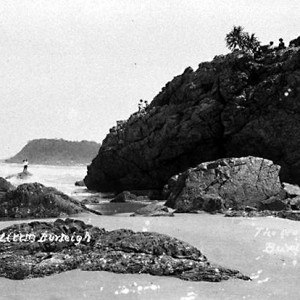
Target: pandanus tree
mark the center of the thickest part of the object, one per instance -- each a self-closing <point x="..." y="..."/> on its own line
<point x="234" y="39"/>
<point x="251" y="43"/>
<point x="237" y="38"/>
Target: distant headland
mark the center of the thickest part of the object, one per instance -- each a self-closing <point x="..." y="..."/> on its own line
<point x="56" y="152"/>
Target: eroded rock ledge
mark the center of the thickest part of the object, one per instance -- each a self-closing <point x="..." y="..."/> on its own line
<point x="119" y="251"/>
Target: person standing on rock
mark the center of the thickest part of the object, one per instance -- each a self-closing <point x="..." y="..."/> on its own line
<point x="140" y="105"/>
<point x="281" y="44"/>
<point x="25" y="165"/>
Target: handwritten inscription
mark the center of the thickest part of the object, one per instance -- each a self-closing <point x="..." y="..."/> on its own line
<point x="272" y="233"/>
<point x="274" y="248"/>
<point x="286" y="240"/>
<point x="44" y="237"/>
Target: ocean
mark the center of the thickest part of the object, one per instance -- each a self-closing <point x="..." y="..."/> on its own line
<point x="61" y="177"/>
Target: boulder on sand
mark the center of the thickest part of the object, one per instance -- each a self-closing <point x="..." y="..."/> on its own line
<point x="123" y="197"/>
<point x="95" y="249"/>
<point x="34" y="200"/>
<point x="155" y="209"/>
<point x="230" y="183"/>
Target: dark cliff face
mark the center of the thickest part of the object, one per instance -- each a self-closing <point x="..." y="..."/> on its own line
<point x="231" y="107"/>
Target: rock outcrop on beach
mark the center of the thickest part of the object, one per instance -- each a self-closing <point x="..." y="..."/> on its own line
<point x="34" y="200"/>
<point x="56" y="152"/>
<point x="234" y="106"/>
<point x="227" y="183"/>
<point x="41" y="249"/>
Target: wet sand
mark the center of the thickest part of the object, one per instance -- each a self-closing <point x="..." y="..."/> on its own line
<point x="267" y="249"/>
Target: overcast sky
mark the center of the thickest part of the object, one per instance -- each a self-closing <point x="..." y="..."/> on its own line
<point x="70" y="69"/>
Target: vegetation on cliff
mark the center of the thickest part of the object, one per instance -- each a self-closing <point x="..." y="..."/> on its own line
<point x="237" y="38"/>
<point x="57" y="152"/>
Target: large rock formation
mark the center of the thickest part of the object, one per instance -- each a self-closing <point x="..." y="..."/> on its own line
<point x="39" y="249"/>
<point x="236" y="105"/>
<point x="34" y="200"/>
<point x="227" y="183"/>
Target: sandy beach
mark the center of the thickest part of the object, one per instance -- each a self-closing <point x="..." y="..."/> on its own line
<point x="267" y="249"/>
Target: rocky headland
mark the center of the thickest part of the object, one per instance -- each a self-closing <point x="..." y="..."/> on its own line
<point x="237" y="105"/>
<point x="38" y="249"/>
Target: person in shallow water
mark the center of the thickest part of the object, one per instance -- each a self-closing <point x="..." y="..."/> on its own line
<point x="25" y="165"/>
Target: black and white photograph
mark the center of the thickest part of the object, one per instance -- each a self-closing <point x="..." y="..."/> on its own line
<point x="149" y="149"/>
